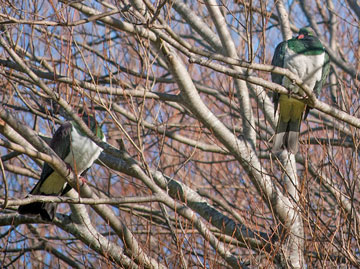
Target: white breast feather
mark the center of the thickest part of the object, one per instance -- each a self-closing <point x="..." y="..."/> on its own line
<point x="83" y="152"/>
<point x="307" y="67"/>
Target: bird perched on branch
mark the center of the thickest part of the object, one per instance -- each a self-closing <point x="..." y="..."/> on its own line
<point x="306" y="57"/>
<point x="72" y="145"/>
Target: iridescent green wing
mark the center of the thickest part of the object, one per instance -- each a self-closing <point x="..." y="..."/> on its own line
<point x="278" y="60"/>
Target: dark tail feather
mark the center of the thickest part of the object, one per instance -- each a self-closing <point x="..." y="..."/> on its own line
<point x="287" y="136"/>
<point x="46" y="210"/>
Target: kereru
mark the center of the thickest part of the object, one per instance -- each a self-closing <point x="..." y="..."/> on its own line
<point x="78" y="151"/>
<point x="306" y="57"/>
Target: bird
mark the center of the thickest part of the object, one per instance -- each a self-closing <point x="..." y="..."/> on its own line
<point x="306" y="57"/>
<point x="78" y="151"/>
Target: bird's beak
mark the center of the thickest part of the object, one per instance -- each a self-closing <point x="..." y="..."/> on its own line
<point x="300" y="36"/>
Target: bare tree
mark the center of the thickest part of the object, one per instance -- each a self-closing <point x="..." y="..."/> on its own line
<point x="183" y="92"/>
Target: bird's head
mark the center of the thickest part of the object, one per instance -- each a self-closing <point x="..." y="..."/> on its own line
<point x="304" y="32"/>
<point x="91" y="122"/>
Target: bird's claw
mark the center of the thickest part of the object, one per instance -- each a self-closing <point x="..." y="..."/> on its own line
<point x="83" y="180"/>
<point x="304" y="98"/>
<point x="69" y="167"/>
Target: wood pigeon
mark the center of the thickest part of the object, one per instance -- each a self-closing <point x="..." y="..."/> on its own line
<point x="306" y="57"/>
<point x="78" y="151"/>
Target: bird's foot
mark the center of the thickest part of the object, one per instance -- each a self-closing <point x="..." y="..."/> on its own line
<point x="305" y="97"/>
<point x="83" y="180"/>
